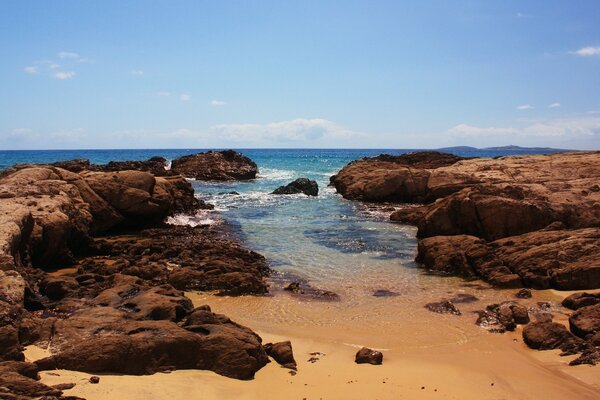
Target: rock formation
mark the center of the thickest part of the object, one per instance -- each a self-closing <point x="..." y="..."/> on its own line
<point x="515" y="221"/>
<point x="300" y="185"/>
<point x="118" y="307"/>
<point x="225" y="165"/>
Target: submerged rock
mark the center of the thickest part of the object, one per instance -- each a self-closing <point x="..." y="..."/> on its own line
<point x="368" y="356"/>
<point x="300" y="185"/>
<point x="305" y="291"/>
<point x="225" y="165"/>
<point x="385" y="293"/>
<point x="443" y="307"/>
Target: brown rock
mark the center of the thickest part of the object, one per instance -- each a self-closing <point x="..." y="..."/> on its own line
<point x="282" y="353"/>
<point x="368" y="356"/>
<point x="582" y="299"/>
<point x="443" y="307"/>
<point x="585" y="321"/>
<point x="216" y="166"/>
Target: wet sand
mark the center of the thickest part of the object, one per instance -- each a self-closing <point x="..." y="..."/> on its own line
<point x="427" y="356"/>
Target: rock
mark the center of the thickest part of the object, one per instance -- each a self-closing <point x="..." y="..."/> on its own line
<point x="300" y="185"/>
<point x="523" y="294"/>
<point x="94" y="379"/>
<point x="384" y="293"/>
<point x="582" y="299"/>
<point x="57" y="288"/>
<point x="490" y="218"/>
<point x="64" y="386"/>
<point x="503" y="317"/>
<point x="22" y="381"/>
<point x="305" y="291"/>
<point x="368" y="356"/>
<point x="585" y="321"/>
<point x="226" y="165"/>
<point x="107" y="340"/>
<point x="282" y="353"/>
<point x="443" y="307"/>
<point x="546" y="335"/>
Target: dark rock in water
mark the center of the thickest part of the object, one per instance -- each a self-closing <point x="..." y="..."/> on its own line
<point x="585" y="321"/>
<point x="232" y="193"/>
<point x="282" y="353"/>
<point x="464" y="298"/>
<point x="503" y="317"/>
<point x="523" y="294"/>
<point x="443" y="307"/>
<point x="94" y="379"/>
<point x="301" y="185"/>
<point x="368" y="356"/>
<point x="385" y="293"/>
<point x="582" y="299"/>
<point x="304" y="290"/>
<point x="225" y="165"/>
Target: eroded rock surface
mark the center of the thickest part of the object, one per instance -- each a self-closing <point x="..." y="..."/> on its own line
<point x="514" y="221"/>
<point x="88" y="267"/>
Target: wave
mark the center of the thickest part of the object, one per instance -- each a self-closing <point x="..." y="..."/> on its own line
<point x="200" y="218"/>
<point x="275" y="174"/>
<point x="227" y="201"/>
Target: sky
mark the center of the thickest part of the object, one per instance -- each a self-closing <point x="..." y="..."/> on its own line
<point x="299" y="74"/>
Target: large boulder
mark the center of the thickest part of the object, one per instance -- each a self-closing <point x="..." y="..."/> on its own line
<point x="300" y="185"/>
<point x="107" y="340"/>
<point x="225" y="165"/>
<point x="585" y="321"/>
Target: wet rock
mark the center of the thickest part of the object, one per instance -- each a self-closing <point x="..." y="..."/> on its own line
<point x="582" y="299"/>
<point x="282" y="353"/>
<point x="443" y="307"/>
<point x="523" y="294"/>
<point x="464" y="298"/>
<point x="64" y="386"/>
<point x="585" y="321"/>
<point x="225" y="165"/>
<point x="368" y="356"/>
<point x="94" y="379"/>
<point x="300" y="185"/>
<point x="305" y="291"/>
<point x="503" y="317"/>
<point x="385" y="293"/>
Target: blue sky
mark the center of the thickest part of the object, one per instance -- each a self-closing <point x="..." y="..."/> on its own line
<point x="392" y="74"/>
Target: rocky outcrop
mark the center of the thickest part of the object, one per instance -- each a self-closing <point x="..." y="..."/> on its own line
<point x="300" y="185"/>
<point x="225" y="165"/>
<point x="119" y="307"/>
<point x="282" y="353"/>
<point x="513" y="221"/>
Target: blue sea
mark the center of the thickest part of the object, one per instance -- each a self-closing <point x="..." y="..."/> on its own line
<point x="332" y="243"/>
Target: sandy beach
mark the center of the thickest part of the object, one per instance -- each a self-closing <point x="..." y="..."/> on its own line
<point x="476" y="366"/>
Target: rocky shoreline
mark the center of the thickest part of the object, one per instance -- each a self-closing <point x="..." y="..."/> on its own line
<point x="89" y="270"/>
<point x="518" y="221"/>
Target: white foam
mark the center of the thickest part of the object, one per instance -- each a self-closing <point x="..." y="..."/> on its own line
<point x="200" y="218"/>
<point x="275" y="174"/>
<point x="168" y="166"/>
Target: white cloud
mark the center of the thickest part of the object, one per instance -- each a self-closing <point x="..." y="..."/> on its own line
<point x="137" y="72"/>
<point x="68" y="54"/>
<point x="64" y="75"/>
<point x="296" y="130"/>
<point x="164" y="94"/>
<point x="53" y="65"/>
<point x="32" y="70"/>
<point x="217" y="102"/>
<point x="185" y="97"/>
<point x="587" y="51"/>
<point x="525" y="107"/>
<point x="554" y="105"/>
<point x="567" y="128"/>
